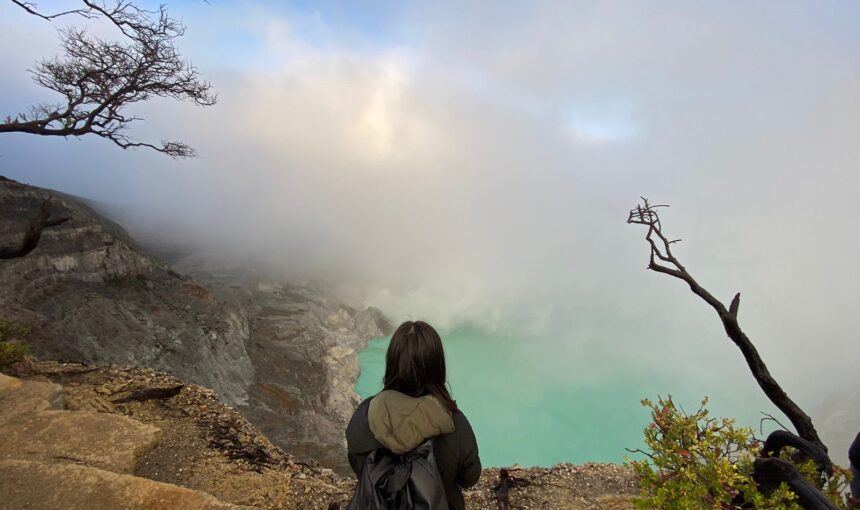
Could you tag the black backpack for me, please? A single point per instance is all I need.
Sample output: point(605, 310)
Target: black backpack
point(400, 482)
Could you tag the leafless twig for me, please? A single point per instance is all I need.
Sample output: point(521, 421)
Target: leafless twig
point(769, 417)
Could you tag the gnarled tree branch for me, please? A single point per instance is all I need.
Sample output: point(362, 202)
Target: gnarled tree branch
point(33, 9)
point(99, 79)
point(662, 260)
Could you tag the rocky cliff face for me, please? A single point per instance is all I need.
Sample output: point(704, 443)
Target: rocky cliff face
point(303, 346)
point(89, 293)
point(283, 354)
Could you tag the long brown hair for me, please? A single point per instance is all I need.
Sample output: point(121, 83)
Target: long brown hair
point(415, 363)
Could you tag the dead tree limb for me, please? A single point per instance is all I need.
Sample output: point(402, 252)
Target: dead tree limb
point(33, 233)
point(32, 8)
point(662, 260)
point(151, 394)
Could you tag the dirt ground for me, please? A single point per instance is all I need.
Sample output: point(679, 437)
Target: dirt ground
point(208, 446)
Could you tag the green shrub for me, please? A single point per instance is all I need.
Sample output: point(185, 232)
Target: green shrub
point(697, 462)
point(12, 345)
point(12, 352)
point(11, 331)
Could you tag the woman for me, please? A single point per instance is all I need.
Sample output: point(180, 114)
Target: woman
point(414, 406)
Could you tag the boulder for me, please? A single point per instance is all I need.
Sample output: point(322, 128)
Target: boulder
point(36, 485)
point(18, 398)
point(102, 440)
point(8, 383)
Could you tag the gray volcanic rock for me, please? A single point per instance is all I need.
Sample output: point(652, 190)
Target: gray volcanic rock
point(303, 346)
point(89, 293)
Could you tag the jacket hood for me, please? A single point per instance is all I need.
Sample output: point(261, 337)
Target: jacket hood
point(401, 422)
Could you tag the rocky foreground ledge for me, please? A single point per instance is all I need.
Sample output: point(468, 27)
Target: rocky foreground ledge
point(90, 437)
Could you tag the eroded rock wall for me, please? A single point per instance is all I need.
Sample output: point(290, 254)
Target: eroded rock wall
point(285, 355)
point(90, 293)
point(303, 345)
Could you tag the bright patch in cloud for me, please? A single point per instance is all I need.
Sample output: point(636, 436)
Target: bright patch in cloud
point(601, 119)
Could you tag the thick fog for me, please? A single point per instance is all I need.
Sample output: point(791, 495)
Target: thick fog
point(475, 164)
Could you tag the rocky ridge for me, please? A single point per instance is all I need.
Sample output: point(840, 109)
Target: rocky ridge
point(51, 457)
point(214, 456)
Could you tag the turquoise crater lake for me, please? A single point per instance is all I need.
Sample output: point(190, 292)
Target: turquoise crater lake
point(528, 405)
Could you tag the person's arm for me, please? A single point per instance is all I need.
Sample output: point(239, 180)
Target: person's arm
point(357, 438)
point(356, 462)
point(468, 461)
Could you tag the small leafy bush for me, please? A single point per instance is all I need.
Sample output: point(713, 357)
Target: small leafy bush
point(12, 345)
point(697, 462)
point(11, 331)
point(12, 352)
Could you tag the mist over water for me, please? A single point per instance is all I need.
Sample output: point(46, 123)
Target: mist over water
point(472, 165)
point(523, 413)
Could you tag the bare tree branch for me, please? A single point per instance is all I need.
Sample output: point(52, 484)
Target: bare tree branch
point(769, 417)
point(40, 222)
point(663, 261)
point(99, 79)
point(32, 8)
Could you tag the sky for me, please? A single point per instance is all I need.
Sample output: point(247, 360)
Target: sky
point(473, 162)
